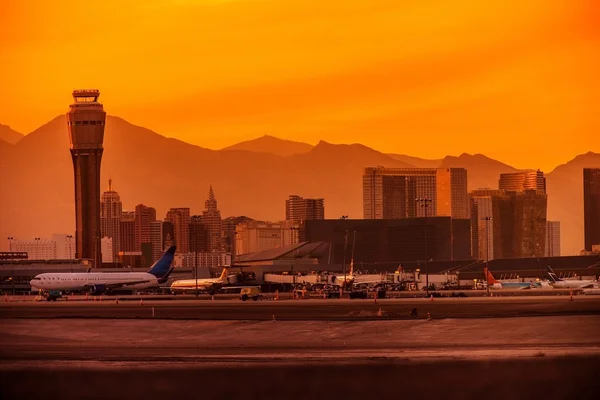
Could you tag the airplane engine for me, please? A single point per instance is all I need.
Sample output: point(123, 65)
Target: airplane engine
point(97, 289)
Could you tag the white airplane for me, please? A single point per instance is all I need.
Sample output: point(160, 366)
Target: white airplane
point(203, 285)
point(102, 282)
point(503, 285)
point(559, 283)
point(351, 279)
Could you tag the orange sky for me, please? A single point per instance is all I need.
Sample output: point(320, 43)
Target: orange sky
point(515, 80)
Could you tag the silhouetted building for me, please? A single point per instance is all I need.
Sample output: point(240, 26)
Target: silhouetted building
point(391, 193)
point(85, 121)
point(180, 218)
point(229, 224)
point(168, 234)
point(111, 209)
point(258, 235)
point(212, 219)
point(198, 235)
point(127, 233)
point(300, 209)
point(143, 217)
point(552, 239)
point(521, 181)
point(393, 240)
point(591, 206)
point(518, 225)
point(156, 239)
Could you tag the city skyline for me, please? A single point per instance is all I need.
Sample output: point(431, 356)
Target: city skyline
point(382, 73)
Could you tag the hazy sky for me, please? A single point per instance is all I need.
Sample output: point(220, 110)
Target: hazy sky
point(515, 80)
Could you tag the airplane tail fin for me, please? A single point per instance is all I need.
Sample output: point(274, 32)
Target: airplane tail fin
point(352, 267)
point(551, 275)
point(161, 269)
point(223, 275)
point(489, 277)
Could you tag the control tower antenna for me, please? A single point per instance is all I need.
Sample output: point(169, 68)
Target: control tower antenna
point(85, 121)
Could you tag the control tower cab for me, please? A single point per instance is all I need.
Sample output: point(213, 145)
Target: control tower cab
point(85, 121)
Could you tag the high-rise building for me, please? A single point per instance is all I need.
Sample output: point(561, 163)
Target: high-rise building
point(111, 209)
point(85, 121)
point(229, 225)
point(143, 217)
point(300, 209)
point(591, 207)
point(36, 249)
point(65, 246)
point(168, 230)
point(258, 236)
point(552, 239)
point(180, 219)
point(520, 181)
point(107, 250)
point(391, 193)
point(198, 235)
point(212, 220)
point(518, 225)
point(156, 239)
point(127, 233)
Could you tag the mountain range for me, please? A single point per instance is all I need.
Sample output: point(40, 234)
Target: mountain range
point(250, 178)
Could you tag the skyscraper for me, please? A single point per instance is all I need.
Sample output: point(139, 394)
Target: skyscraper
point(198, 235)
point(391, 193)
point(483, 240)
point(553, 239)
point(143, 217)
point(300, 209)
point(591, 206)
point(156, 239)
point(180, 219)
point(520, 181)
point(127, 233)
point(111, 209)
point(85, 121)
point(211, 217)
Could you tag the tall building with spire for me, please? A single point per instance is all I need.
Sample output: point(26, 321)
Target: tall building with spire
point(85, 121)
point(111, 210)
point(212, 220)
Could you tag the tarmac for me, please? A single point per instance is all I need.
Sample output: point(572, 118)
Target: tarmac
point(455, 348)
point(307, 309)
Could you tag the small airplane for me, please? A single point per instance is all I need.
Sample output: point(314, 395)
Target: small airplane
point(559, 283)
point(500, 285)
point(102, 282)
point(202, 285)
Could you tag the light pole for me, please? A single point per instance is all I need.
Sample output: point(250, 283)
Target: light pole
point(487, 253)
point(10, 239)
point(344, 264)
point(196, 275)
point(425, 202)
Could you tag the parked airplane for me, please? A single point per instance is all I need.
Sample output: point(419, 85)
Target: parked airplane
point(102, 282)
point(559, 283)
point(203, 285)
point(496, 284)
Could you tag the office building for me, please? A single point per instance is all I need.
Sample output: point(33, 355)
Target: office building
point(144, 216)
point(482, 223)
point(300, 209)
point(392, 240)
point(107, 250)
point(65, 246)
point(211, 217)
point(156, 239)
point(529, 234)
point(591, 207)
point(111, 209)
point(168, 230)
point(180, 219)
point(85, 121)
point(127, 233)
point(258, 236)
point(391, 193)
point(521, 181)
point(198, 235)
point(552, 239)
point(36, 249)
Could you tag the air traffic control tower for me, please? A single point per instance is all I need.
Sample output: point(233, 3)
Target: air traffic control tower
point(86, 133)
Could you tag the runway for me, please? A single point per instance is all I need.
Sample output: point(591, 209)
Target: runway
point(299, 310)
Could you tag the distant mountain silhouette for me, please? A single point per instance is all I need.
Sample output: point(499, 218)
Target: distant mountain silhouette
point(9, 135)
point(160, 172)
point(271, 144)
point(483, 172)
point(565, 199)
point(416, 161)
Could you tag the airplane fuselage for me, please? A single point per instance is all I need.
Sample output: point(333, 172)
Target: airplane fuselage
point(81, 281)
point(573, 284)
point(191, 284)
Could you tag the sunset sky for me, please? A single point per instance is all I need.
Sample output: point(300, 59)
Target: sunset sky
point(515, 80)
